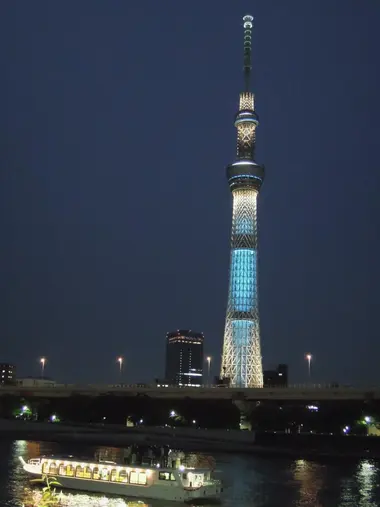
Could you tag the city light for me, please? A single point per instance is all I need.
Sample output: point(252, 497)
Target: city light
point(172, 413)
point(308, 358)
point(208, 359)
point(23, 412)
point(43, 362)
point(120, 360)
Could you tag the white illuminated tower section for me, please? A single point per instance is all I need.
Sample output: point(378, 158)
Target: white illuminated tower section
point(241, 361)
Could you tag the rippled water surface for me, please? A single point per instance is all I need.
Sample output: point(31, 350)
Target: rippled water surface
point(249, 481)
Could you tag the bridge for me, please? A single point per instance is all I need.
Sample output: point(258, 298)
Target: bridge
point(301, 393)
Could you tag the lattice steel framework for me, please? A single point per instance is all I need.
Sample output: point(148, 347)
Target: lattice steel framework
point(241, 361)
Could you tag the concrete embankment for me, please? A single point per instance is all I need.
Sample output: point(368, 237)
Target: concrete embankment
point(119, 436)
point(191, 439)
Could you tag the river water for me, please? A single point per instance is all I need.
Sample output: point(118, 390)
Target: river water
point(249, 481)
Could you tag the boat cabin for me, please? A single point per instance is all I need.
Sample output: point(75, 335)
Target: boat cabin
point(188, 478)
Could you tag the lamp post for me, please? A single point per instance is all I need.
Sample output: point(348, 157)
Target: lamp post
point(42, 361)
point(308, 358)
point(120, 361)
point(208, 359)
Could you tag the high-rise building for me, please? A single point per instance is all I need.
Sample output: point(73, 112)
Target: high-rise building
point(184, 358)
point(241, 360)
point(7, 373)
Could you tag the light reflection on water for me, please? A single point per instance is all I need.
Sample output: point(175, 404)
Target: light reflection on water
point(308, 477)
point(249, 481)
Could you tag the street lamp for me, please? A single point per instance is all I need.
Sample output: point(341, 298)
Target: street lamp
point(42, 361)
point(120, 361)
point(208, 359)
point(308, 358)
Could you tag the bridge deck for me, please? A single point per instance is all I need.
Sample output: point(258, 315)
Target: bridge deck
point(289, 393)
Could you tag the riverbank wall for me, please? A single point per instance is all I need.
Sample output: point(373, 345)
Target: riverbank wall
point(198, 440)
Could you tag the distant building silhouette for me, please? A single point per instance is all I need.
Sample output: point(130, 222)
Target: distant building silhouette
point(184, 358)
point(277, 377)
point(7, 373)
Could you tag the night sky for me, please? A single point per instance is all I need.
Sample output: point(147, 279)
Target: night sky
point(116, 125)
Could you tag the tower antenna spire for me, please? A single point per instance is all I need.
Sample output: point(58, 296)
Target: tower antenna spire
point(248, 24)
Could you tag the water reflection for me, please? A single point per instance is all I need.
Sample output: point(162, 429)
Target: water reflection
point(33, 497)
point(249, 481)
point(366, 477)
point(307, 475)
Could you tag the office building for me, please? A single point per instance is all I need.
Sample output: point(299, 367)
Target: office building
point(241, 359)
point(7, 373)
point(184, 358)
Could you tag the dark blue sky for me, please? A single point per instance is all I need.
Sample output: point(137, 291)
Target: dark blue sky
point(116, 125)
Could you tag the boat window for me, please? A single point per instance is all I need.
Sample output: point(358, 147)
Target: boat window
point(105, 474)
point(113, 475)
point(142, 478)
point(79, 472)
point(87, 474)
point(166, 476)
point(123, 476)
point(184, 476)
point(95, 473)
point(133, 478)
point(53, 468)
point(62, 469)
point(45, 467)
point(70, 470)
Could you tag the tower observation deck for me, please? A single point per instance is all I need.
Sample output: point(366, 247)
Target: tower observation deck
point(241, 360)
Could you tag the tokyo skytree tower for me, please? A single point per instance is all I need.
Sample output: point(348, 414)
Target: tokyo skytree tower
point(241, 361)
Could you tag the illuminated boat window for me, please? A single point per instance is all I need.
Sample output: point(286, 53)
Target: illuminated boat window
point(123, 476)
point(45, 467)
point(53, 468)
point(70, 470)
point(62, 469)
point(133, 478)
point(105, 474)
point(87, 474)
point(95, 473)
point(166, 476)
point(79, 472)
point(143, 478)
point(113, 475)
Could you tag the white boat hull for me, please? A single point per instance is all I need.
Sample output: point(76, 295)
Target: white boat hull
point(170, 492)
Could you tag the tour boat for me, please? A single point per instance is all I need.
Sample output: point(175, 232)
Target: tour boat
point(176, 484)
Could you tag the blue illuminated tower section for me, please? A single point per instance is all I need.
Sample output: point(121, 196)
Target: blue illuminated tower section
point(241, 361)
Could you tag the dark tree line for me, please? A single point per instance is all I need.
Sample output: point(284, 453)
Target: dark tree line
point(330, 416)
point(111, 409)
